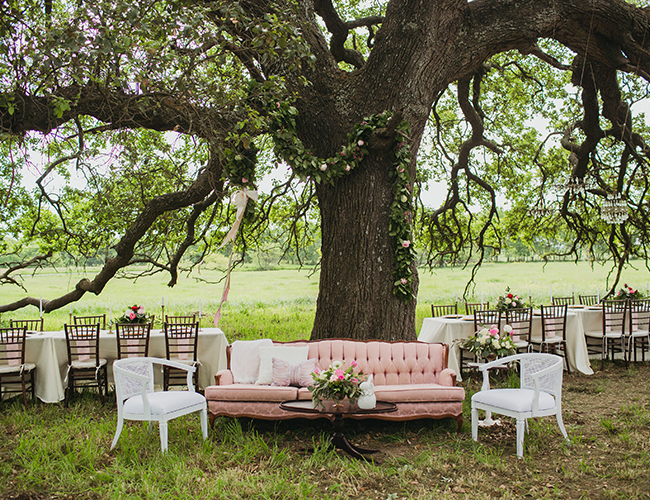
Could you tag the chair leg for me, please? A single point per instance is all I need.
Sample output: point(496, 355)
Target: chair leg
point(22, 380)
point(98, 378)
point(474, 423)
point(204, 423)
point(566, 357)
point(521, 427)
point(560, 423)
point(163, 435)
point(33, 385)
point(70, 389)
point(118, 431)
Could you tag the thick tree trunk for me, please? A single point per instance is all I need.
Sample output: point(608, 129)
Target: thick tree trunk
point(355, 297)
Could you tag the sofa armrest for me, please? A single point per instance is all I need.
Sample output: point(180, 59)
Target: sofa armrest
point(224, 377)
point(447, 377)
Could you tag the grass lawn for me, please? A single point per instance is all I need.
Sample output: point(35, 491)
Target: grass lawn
point(281, 304)
point(51, 452)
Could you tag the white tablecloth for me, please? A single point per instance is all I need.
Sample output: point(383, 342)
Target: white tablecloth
point(48, 350)
point(446, 330)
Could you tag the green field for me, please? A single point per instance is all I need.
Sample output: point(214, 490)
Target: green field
point(280, 304)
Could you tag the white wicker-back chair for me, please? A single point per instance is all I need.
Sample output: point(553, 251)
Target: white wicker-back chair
point(136, 399)
point(539, 394)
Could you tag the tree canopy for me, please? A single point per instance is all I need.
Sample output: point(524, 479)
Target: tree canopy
point(139, 119)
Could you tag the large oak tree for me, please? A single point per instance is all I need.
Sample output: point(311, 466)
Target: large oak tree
point(344, 92)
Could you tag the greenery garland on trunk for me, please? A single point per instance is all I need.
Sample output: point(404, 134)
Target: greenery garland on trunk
point(308, 166)
point(241, 171)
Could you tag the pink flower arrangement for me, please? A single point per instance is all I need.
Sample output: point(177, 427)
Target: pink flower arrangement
point(134, 314)
point(627, 292)
point(336, 383)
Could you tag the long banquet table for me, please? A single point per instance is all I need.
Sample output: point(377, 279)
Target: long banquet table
point(446, 329)
point(48, 350)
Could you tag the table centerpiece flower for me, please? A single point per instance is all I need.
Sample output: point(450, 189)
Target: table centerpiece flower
point(509, 301)
point(490, 342)
point(335, 383)
point(134, 314)
point(627, 292)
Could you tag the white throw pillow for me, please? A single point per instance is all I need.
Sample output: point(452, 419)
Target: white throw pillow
point(245, 359)
point(294, 355)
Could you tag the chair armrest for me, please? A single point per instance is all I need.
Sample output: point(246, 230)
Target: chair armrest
point(224, 377)
point(174, 364)
point(447, 377)
point(190, 369)
point(497, 362)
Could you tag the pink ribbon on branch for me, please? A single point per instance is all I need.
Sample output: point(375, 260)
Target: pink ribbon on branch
point(240, 199)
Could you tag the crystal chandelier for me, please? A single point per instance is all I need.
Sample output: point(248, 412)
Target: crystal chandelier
point(614, 209)
point(574, 185)
point(539, 211)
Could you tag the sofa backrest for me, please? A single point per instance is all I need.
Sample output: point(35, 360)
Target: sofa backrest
point(391, 363)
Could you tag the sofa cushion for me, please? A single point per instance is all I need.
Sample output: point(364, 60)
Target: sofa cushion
point(300, 375)
point(251, 392)
point(245, 359)
point(413, 393)
point(292, 354)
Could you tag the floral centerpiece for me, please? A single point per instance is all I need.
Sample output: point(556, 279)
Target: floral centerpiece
point(134, 314)
point(489, 342)
point(336, 384)
point(509, 301)
point(627, 292)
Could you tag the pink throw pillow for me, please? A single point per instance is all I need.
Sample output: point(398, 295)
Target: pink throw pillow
point(285, 374)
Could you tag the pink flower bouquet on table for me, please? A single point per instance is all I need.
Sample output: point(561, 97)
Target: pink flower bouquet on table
point(134, 314)
point(490, 341)
point(335, 383)
point(627, 292)
point(510, 301)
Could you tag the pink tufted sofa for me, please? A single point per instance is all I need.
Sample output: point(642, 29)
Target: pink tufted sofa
point(413, 375)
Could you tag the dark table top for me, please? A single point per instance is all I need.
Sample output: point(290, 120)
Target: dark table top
point(307, 406)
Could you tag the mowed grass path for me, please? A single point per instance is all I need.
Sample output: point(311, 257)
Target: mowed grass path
point(280, 304)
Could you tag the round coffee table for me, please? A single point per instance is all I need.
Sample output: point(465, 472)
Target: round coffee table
point(336, 416)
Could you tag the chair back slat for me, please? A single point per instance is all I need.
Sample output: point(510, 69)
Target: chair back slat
point(614, 316)
point(639, 315)
point(181, 340)
point(561, 301)
point(12, 346)
point(486, 317)
point(442, 310)
point(82, 342)
point(191, 318)
point(470, 307)
point(553, 321)
point(91, 320)
point(521, 321)
point(588, 300)
point(132, 339)
point(32, 325)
